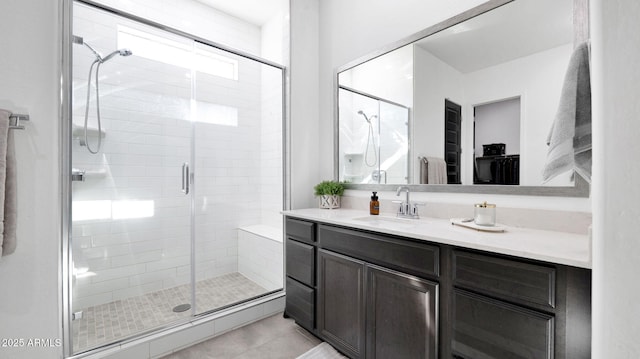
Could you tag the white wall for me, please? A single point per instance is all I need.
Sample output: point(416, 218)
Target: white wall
point(616, 88)
point(389, 76)
point(434, 80)
point(305, 141)
point(29, 304)
point(498, 122)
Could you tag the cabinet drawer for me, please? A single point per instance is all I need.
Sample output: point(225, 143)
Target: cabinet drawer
point(517, 281)
point(300, 230)
point(404, 255)
point(488, 328)
point(300, 303)
point(300, 262)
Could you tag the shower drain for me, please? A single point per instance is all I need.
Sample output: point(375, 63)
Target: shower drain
point(181, 308)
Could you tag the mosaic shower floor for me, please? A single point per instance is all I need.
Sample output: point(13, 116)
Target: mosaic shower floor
point(109, 322)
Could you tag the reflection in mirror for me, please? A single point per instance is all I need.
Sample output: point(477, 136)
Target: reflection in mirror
point(374, 137)
point(480, 97)
point(381, 88)
point(497, 142)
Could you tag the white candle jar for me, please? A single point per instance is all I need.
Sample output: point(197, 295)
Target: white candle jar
point(485, 214)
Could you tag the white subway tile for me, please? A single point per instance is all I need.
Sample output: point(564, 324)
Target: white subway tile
point(151, 277)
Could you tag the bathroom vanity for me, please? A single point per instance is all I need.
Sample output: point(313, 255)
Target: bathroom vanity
point(381, 287)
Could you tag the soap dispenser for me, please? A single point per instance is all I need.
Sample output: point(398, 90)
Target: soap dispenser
point(374, 205)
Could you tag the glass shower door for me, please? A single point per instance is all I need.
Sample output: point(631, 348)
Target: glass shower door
point(131, 217)
point(237, 117)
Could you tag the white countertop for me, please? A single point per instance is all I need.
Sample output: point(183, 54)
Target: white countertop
point(549, 246)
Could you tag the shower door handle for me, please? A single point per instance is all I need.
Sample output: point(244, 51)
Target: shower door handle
point(185, 178)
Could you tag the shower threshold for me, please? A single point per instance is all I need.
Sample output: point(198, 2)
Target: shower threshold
point(109, 322)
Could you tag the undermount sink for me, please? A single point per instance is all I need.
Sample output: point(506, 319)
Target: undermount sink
point(389, 222)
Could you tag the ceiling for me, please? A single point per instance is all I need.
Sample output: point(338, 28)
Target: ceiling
point(257, 12)
point(515, 30)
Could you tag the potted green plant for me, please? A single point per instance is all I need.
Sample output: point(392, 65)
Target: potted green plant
point(329, 193)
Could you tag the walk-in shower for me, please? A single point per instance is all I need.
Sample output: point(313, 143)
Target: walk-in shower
point(143, 253)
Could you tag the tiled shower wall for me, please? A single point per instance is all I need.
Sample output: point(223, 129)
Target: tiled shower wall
point(140, 242)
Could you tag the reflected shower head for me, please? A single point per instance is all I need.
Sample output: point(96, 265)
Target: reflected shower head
point(121, 52)
point(365, 116)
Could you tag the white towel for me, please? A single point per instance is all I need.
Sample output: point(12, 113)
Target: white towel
point(570, 136)
point(8, 196)
point(433, 170)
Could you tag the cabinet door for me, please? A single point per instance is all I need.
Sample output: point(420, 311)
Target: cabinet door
point(341, 302)
point(401, 315)
point(487, 328)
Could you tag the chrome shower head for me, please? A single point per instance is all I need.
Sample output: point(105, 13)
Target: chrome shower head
point(99, 58)
point(121, 52)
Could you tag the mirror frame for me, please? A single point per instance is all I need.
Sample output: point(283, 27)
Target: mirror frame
point(581, 187)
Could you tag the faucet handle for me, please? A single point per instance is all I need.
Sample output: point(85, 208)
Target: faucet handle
point(403, 207)
point(412, 209)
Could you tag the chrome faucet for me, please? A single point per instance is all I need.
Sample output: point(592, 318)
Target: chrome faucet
point(407, 209)
point(403, 189)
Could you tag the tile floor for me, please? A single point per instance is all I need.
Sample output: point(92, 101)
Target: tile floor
point(109, 322)
point(274, 337)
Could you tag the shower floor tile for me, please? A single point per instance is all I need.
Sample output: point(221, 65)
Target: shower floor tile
point(109, 322)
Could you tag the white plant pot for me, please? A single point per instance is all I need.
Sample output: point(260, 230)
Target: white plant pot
point(329, 201)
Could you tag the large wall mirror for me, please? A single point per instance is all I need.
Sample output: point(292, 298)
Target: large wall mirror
point(463, 106)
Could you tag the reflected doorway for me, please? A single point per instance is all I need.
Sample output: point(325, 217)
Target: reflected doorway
point(497, 142)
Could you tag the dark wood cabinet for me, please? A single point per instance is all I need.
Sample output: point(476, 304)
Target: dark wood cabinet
point(300, 270)
point(341, 302)
point(505, 307)
point(367, 307)
point(487, 328)
point(367, 311)
point(373, 295)
point(401, 319)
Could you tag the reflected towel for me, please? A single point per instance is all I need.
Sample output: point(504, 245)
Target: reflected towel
point(570, 137)
point(433, 170)
point(8, 196)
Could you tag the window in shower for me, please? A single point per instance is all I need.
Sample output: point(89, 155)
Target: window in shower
point(158, 48)
point(178, 212)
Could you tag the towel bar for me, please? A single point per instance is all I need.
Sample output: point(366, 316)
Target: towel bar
point(14, 121)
